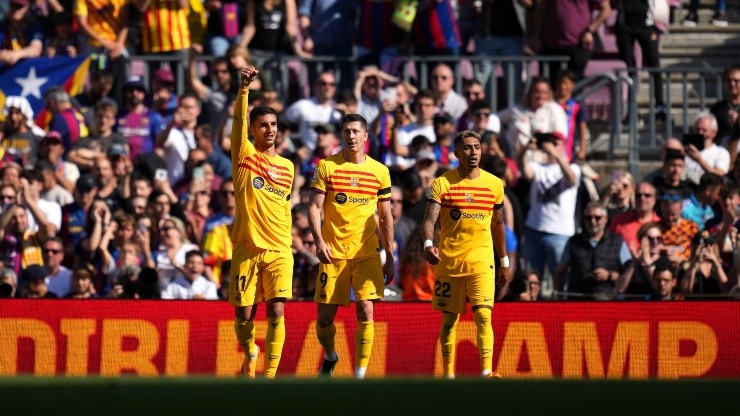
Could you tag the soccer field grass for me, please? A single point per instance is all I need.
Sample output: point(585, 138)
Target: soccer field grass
point(392, 396)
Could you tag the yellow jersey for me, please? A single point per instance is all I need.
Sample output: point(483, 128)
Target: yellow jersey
point(262, 187)
point(352, 192)
point(465, 242)
point(103, 16)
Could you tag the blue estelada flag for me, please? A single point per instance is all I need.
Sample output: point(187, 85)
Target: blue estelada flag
point(30, 78)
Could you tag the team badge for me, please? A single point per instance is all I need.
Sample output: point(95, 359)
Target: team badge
point(469, 198)
point(354, 182)
point(272, 173)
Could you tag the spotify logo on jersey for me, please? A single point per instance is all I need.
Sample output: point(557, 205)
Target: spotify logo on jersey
point(341, 198)
point(455, 214)
point(258, 182)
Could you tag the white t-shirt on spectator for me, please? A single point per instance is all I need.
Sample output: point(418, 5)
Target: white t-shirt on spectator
point(404, 136)
point(522, 123)
point(455, 105)
point(166, 271)
point(176, 151)
point(553, 201)
point(308, 113)
point(182, 288)
point(715, 156)
point(53, 213)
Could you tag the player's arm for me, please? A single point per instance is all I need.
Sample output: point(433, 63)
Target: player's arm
point(315, 206)
point(431, 214)
point(386, 233)
point(239, 130)
point(498, 231)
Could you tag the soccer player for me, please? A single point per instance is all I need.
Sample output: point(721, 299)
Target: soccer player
point(470, 201)
point(348, 187)
point(262, 262)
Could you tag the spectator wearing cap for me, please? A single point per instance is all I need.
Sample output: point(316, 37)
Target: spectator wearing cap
point(698, 207)
point(445, 97)
point(214, 99)
point(107, 29)
point(178, 137)
point(552, 196)
point(401, 136)
point(163, 96)
point(65, 119)
point(74, 216)
point(33, 279)
point(712, 158)
point(101, 86)
point(87, 150)
point(426, 165)
point(20, 247)
point(51, 190)
point(19, 143)
point(41, 213)
point(22, 36)
point(51, 150)
point(678, 232)
point(444, 147)
point(58, 277)
point(139, 125)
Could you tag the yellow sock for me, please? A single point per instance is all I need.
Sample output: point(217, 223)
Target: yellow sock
point(484, 331)
point(447, 340)
point(245, 335)
point(364, 336)
point(274, 341)
point(326, 338)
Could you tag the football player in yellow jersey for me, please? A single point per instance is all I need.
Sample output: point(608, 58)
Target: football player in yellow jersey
point(468, 202)
point(348, 188)
point(262, 261)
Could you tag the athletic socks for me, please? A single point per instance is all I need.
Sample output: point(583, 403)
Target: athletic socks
point(274, 341)
point(326, 339)
point(484, 330)
point(364, 337)
point(447, 340)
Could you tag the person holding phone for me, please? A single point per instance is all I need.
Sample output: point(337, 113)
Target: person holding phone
point(712, 158)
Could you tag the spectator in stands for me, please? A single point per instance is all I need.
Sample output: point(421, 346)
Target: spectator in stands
point(724, 226)
point(178, 137)
point(214, 99)
point(627, 224)
point(698, 207)
point(106, 26)
point(108, 188)
point(502, 27)
point(228, 207)
point(434, 31)
point(271, 30)
point(8, 283)
point(165, 28)
point(82, 284)
point(620, 196)
point(538, 114)
point(163, 96)
point(172, 247)
point(525, 288)
point(51, 190)
point(191, 284)
point(712, 158)
point(197, 209)
point(473, 92)
point(664, 282)
point(65, 119)
point(51, 150)
point(550, 220)
point(59, 278)
point(568, 28)
point(719, 18)
point(86, 150)
point(445, 97)
point(22, 36)
point(637, 280)
point(20, 246)
point(575, 113)
point(101, 86)
point(400, 157)
point(327, 144)
point(225, 20)
point(74, 217)
point(594, 258)
point(306, 264)
point(62, 40)
point(216, 157)
point(41, 213)
point(444, 146)
point(704, 274)
point(33, 279)
point(321, 108)
point(416, 274)
point(670, 176)
point(727, 112)
point(367, 91)
point(19, 142)
point(678, 233)
point(138, 124)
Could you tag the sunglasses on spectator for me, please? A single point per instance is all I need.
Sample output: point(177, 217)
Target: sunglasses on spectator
point(51, 251)
point(671, 198)
point(594, 217)
point(327, 83)
point(443, 77)
point(473, 94)
point(656, 239)
point(165, 229)
point(482, 113)
point(643, 195)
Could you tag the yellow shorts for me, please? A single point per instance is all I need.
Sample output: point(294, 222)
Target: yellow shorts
point(364, 275)
point(258, 275)
point(450, 293)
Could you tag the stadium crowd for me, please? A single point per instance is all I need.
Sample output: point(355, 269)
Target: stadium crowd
point(126, 190)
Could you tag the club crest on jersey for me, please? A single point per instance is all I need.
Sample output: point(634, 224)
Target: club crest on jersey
point(272, 173)
point(469, 198)
point(341, 198)
point(258, 182)
point(354, 182)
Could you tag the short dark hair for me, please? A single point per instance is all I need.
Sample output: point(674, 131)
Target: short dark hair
point(464, 135)
point(44, 165)
point(566, 74)
point(664, 264)
point(478, 105)
point(193, 253)
point(32, 175)
point(709, 180)
point(673, 154)
point(260, 111)
point(728, 190)
point(351, 118)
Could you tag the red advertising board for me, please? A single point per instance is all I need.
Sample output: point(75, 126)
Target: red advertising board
point(532, 340)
